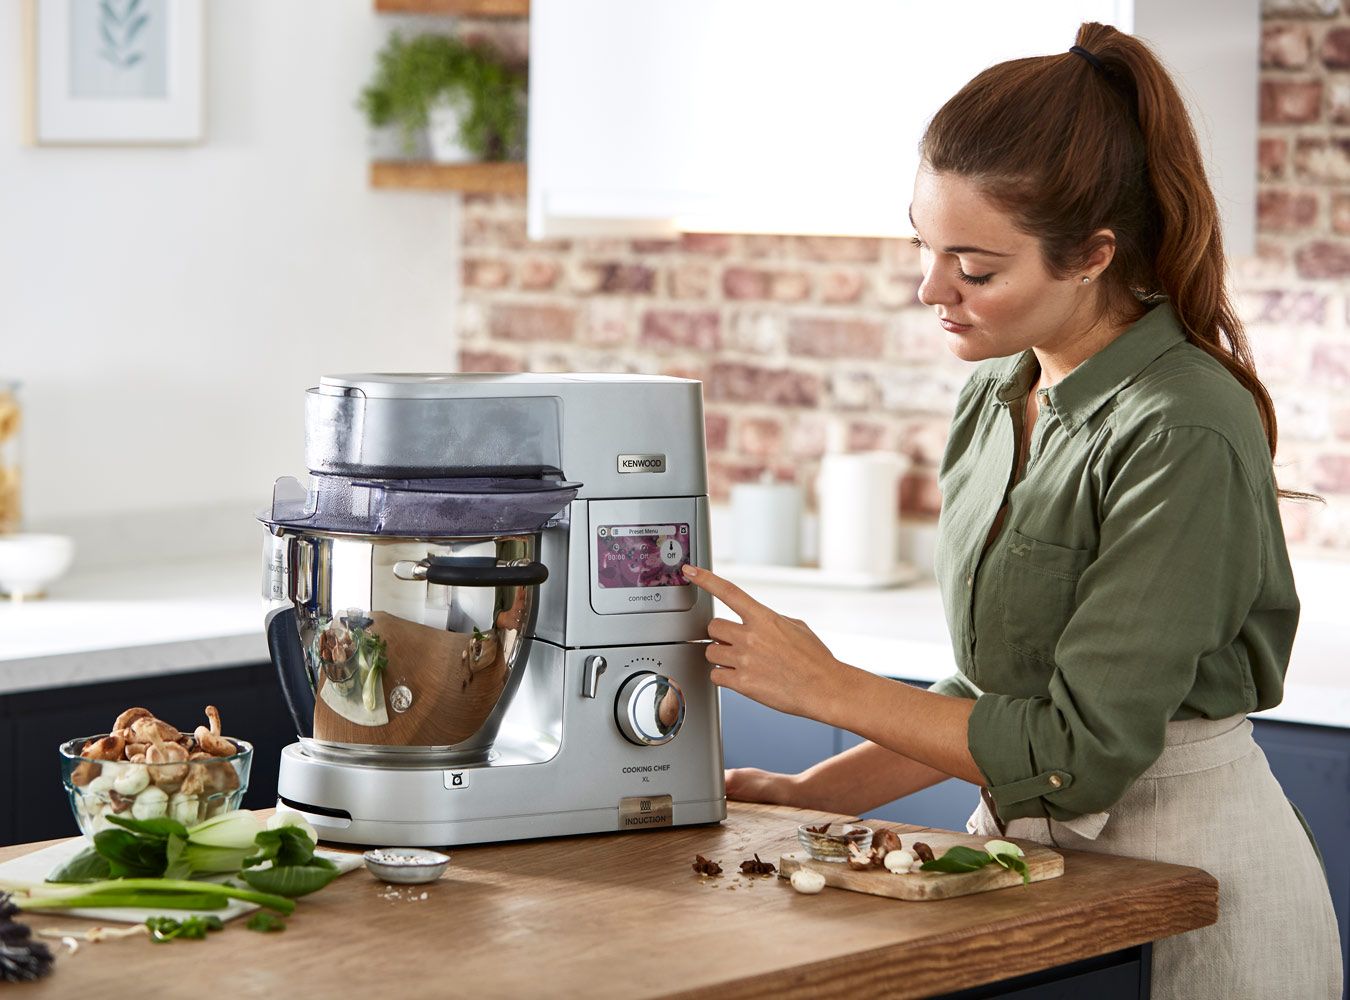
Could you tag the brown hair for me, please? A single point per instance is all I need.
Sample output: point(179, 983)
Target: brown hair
point(1070, 145)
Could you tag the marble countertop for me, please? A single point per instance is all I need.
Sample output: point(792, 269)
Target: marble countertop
point(178, 616)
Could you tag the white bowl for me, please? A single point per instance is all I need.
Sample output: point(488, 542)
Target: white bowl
point(410, 866)
point(29, 563)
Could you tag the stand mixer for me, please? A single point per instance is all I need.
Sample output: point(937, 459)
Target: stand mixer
point(477, 612)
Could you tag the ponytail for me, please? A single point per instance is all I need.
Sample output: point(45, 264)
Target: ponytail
point(1099, 138)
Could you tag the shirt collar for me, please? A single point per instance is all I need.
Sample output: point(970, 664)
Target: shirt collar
point(1091, 385)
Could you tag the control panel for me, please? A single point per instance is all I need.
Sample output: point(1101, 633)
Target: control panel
point(637, 548)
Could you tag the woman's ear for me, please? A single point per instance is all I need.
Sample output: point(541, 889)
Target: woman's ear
point(1102, 251)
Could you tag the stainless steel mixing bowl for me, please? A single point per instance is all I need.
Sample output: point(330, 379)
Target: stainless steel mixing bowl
point(401, 650)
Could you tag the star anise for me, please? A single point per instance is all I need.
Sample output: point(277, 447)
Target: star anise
point(823, 828)
point(705, 867)
point(757, 867)
point(922, 851)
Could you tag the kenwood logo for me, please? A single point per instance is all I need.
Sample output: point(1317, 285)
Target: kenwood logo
point(642, 463)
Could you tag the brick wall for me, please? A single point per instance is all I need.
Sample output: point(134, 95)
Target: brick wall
point(799, 338)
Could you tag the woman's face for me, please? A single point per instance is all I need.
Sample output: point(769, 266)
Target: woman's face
point(985, 279)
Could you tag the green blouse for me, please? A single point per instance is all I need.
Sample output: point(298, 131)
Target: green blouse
point(1140, 575)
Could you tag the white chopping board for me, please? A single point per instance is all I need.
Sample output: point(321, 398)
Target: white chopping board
point(37, 866)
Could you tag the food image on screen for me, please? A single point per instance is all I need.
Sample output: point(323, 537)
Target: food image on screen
point(641, 555)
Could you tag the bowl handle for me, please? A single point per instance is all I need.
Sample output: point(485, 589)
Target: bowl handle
point(449, 571)
point(288, 656)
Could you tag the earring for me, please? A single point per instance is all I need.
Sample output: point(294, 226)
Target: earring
point(1086, 279)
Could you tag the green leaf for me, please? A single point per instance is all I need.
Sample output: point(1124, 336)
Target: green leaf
point(264, 922)
point(130, 856)
point(175, 865)
point(958, 859)
point(284, 846)
point(290, 880)
point(87, 866)
point(1014, 863)
point(159, 828)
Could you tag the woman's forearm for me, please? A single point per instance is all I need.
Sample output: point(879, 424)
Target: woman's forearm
point(928, 728)
point(860, 779)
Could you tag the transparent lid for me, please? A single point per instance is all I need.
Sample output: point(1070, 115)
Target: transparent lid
point(421, 508)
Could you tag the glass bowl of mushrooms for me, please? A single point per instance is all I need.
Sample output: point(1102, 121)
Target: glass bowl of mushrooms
point(146, 768)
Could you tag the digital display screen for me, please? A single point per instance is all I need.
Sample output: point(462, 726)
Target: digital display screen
point(641, 555)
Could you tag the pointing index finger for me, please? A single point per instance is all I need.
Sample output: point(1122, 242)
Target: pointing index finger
point(724, 590)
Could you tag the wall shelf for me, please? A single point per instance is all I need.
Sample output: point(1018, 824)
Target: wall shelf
point(457, 8)
point(471, 178)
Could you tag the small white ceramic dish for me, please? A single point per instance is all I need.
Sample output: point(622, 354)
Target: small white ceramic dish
point(29, 563)
point(406, 865)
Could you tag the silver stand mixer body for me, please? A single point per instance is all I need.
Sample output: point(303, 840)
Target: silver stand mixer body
point(609, 721)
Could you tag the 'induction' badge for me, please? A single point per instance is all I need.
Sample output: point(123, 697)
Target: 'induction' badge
point(642, 811)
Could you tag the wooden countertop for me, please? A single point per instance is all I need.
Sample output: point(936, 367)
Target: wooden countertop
point(624, 915)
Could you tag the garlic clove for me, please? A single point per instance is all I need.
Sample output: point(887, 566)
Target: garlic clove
point(899, 862)
point(184, 808)
point(131, 781)
point(100, 784)
point(804, 880)
point(150, 803)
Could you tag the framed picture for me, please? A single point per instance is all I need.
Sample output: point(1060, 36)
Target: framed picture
point(106, 72)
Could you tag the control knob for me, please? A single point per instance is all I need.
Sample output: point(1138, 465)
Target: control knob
point(650, 709)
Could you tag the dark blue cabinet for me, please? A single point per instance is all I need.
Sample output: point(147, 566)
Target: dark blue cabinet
point(755, 736)
point(33, 804)
point(1312, 764)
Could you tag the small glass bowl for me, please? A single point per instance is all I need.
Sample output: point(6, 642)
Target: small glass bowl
point(406, 865)
point(833, 843)
point(190, 791)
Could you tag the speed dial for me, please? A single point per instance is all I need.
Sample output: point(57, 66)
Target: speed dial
point(650, 709)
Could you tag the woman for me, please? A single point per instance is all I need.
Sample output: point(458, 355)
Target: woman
point(1112, 563)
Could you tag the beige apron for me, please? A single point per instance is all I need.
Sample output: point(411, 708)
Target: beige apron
point(1211, 802)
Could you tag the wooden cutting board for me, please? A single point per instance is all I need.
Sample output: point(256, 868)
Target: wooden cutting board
point(1042, 863)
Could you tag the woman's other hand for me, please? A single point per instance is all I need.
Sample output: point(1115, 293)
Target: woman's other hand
point(777, 661)
point(750, 784)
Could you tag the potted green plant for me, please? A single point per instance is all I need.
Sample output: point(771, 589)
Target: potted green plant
point(470, 103)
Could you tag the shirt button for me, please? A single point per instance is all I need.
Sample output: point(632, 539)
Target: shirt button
point(970, 580)
point(1056, 781)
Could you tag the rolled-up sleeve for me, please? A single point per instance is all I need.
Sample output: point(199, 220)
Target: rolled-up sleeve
point(1178, 566)
point(957, 686)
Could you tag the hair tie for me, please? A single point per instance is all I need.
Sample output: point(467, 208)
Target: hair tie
point(1089, 58)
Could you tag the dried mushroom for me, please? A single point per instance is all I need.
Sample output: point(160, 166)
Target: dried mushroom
point(148, 768)
point(209, 738)
point(757, 867)
point(125, 720)
point(922, 851)
point(705, 867)
point(883, 843)
point(151, 730)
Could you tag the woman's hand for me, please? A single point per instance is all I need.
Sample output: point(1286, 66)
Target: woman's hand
point(750, 784)
point(775, 660)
